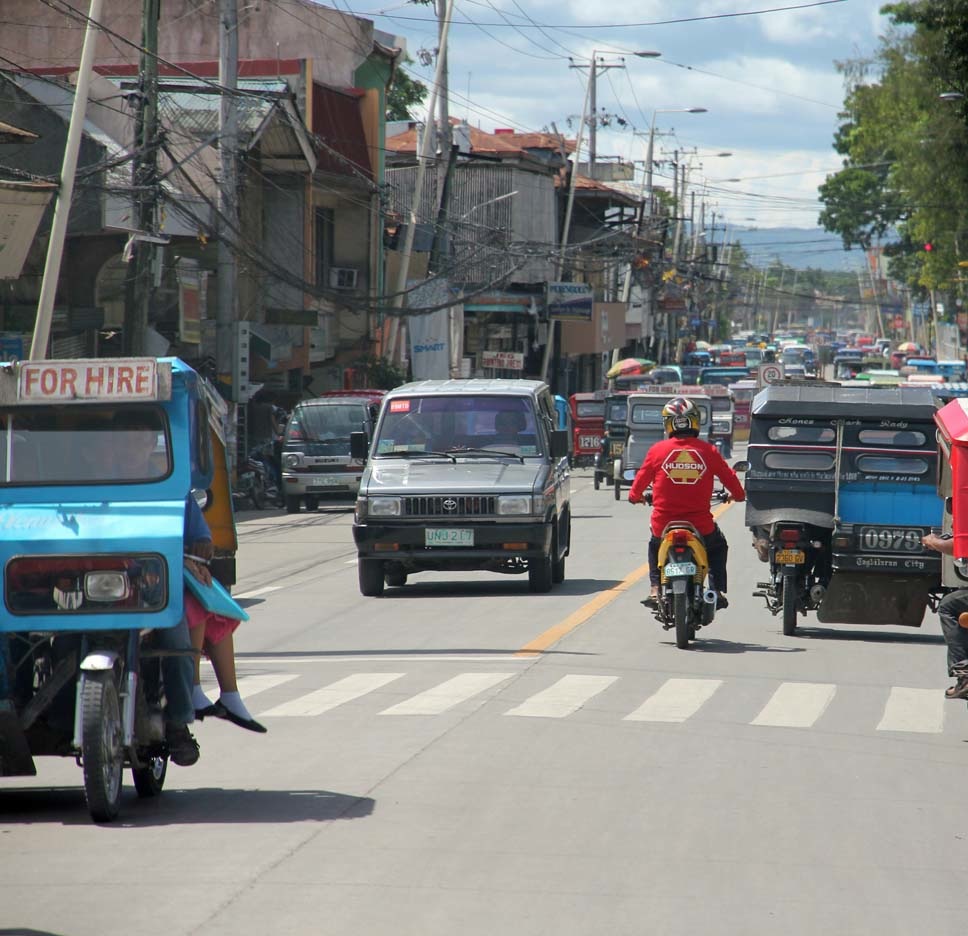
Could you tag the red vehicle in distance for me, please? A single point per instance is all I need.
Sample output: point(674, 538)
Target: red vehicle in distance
point(588, 425)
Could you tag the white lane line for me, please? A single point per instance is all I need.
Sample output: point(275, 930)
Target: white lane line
point(563, 698)
point(675, 701)
point(447, 694)
point(329, 697)
point(258, 591)
point(913, 710)
point(796, 705)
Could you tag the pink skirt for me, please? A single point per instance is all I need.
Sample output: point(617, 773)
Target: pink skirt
point(217, 626)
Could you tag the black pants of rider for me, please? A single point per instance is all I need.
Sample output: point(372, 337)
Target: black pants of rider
point(716, 549)
point(956, 637)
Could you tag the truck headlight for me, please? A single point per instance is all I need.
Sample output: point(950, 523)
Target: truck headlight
point(293, 460)
point(514, 505)
point(383, 506)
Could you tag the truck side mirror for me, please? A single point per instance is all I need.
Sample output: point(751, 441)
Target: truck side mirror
point(559, 443)
point(359, 445)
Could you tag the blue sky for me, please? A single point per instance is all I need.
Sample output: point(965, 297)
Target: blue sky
point(769, 82)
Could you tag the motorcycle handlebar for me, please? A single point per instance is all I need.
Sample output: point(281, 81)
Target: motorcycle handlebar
point(722, 495)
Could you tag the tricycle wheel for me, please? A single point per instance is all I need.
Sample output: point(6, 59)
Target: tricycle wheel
point(680, 613)
point(618, 490)
point(101, 748)
point(396, 579)
point(789, 605)
point(598, 480)
point(292, 504)
point(312, 503)
point(150, 779)
point(371, 577)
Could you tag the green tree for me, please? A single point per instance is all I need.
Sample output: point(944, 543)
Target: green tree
point(905, 176)
point(404, 94)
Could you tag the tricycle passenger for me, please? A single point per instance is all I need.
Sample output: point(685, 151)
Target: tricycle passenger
point(681, 470)
point(212, 632)
point(134, 430)
point(952, 607)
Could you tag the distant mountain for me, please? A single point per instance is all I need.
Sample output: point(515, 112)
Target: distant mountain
point(797, 247)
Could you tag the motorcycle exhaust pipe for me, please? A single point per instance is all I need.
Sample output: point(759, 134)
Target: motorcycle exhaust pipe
point(817, 593)
point(709, 596)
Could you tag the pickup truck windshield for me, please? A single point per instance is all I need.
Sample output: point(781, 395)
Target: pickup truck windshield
point(453, 424)
point(83, 445)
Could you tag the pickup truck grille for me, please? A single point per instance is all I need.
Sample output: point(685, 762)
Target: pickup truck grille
point(450, 505)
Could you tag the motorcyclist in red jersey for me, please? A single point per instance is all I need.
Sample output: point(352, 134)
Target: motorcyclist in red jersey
point(681, 470)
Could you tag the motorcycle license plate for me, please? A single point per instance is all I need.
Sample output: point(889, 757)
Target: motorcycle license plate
point(448, 537)
point(790, 556)
point(673, 569)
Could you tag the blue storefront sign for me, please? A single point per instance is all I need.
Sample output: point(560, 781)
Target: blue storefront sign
point(570, 301)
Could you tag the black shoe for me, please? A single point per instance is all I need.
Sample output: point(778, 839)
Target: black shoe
point(651, 602)
point(182, 747)
point(210, 710)
point(721, 601)
point(249, 723)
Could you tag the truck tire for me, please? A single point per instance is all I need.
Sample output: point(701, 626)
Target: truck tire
point(540, 574)
point(371, 577)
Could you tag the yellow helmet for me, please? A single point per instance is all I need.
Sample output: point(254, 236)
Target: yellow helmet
point(680, 415)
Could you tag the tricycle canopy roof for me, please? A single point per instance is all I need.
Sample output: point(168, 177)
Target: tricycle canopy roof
point(833, 402)
point(952, 420)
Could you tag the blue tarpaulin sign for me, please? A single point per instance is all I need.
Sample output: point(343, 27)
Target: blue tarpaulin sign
point(570, 301)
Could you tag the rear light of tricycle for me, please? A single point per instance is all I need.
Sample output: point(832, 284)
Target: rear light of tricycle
point(789, 536)
point(86, 584)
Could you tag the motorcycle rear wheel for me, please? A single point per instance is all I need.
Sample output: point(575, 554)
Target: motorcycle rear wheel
point(789, 605)
point(680, 614)
point(102, 751)
point(150, 779)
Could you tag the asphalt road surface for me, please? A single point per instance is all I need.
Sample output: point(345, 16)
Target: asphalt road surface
point(464, 757)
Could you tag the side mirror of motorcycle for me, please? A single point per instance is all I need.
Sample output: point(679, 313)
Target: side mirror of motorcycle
point(359, 445)
point(741, 466)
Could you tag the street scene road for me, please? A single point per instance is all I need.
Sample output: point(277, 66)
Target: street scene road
point(464, 756)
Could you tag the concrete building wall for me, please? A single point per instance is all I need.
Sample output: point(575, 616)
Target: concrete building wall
point(335, 42)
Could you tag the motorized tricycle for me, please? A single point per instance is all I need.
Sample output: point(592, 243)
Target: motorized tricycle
point(97, 460)
point(839, 492)
point(952, 484)
point(686, 602)
point(613, 438)
point(721, 428)
point(645, 428)
point(588, 425)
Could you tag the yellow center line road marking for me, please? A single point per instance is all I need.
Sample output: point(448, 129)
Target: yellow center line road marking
point(588, 610)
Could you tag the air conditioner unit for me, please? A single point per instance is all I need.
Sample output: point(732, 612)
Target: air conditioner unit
point(343, 277)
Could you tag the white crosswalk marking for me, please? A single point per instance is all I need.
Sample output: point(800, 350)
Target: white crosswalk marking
point(913, 710)
point(447, 694)
point(253, 685)
point(796, 705)
point(322, 700)
point(563, 698)
point(676, 700)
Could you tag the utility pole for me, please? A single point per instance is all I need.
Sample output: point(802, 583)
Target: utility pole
point(228, 197)
point(145, 173)
point(62, 207)
point(446, 134)
point(592, 95)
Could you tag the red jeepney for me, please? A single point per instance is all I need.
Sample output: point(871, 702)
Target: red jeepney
point(588, 422)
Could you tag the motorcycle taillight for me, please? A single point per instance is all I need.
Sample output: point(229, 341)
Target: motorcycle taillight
point(680, 537)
